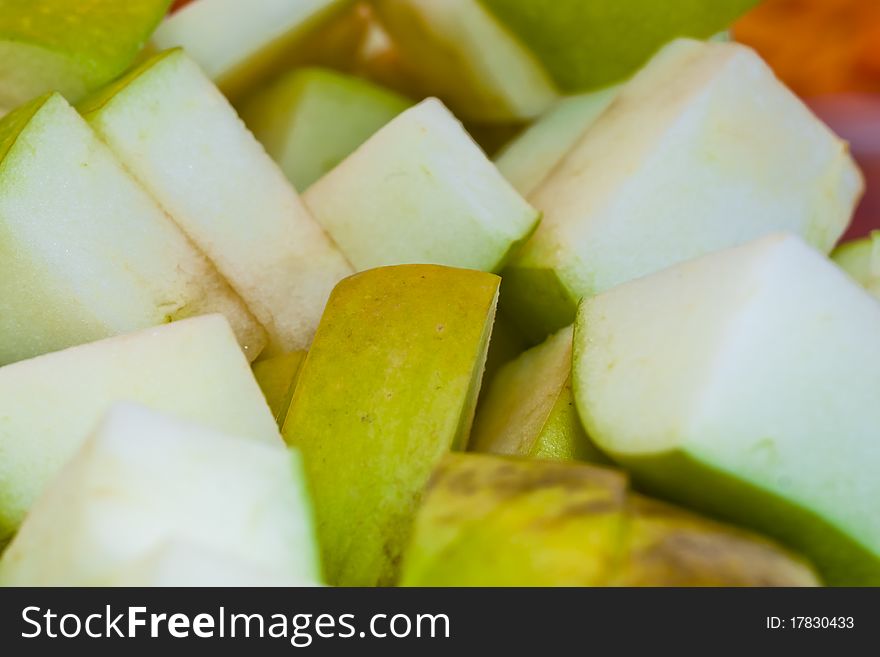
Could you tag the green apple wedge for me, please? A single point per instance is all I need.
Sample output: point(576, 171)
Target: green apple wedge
point(85, 253)
point(242, 44)
point(861, 260)
point(529, 408)
point(192, 369)
point(52, 45)
point(277, 378)
point(693, 156)
point(312, 118)
point(182, 140)
point(143, 479)
point(178, 562)
point(528, 159)
point(695, 379)
point(505, 60)
point(502, 521)
point(389, 386)
point(421, 191)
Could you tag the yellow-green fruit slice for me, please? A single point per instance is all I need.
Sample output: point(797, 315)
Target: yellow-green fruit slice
point(277, 379)
point(388, 387)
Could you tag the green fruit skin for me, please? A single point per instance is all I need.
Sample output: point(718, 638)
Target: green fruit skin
point(537, 301)
point(71, 47)
point(277, 377)
point(388, 387)
point(589, 45)
point(312, 119)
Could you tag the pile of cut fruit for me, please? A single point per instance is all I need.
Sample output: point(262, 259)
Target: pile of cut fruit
point(250, 258)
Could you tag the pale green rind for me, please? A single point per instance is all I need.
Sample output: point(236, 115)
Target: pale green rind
point(537, 300)
point(277, 378)
point(311, 119)
point(861, 260)
point(57, 45)
point(421, 191)
point(531, 156)
point(588, 45)
point(386, 390)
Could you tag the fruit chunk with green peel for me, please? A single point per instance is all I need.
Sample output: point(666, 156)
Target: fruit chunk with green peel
point(85, 253)
point(389, 386)
point(532, 155)
point(456, 50)
point(693, 156)
point(421, 191)
point(529, 409)
point(52, 45)
point(182, 563)
point(183, 141)
point(192, 369)
point(499, 521)
point(311, 119)
point(277, 378)
point(242, 44)
point(144, 479)
point(861, 260)
point(696, 380)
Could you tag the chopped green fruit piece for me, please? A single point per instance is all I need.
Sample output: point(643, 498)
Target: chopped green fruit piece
point(144, 479)
point(694, 155)
point(277, 378)
point(421, 191)
point(861, 260)
point(745, 383)
point(192, 369)
point(242, 44)
point(389, 386)
point(70, 47)
point(85, 253)
point(528, 160)
point(183, 141)
point(529, 409)
point(312, 119)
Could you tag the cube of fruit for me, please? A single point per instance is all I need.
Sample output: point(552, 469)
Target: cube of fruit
point(695, 155)
point(193, 369)
point(388, 387)
point(861, 260)
point(745, 383)
point(529, 409)
point(277, 378)
point(143, 479)
point(457, 50)
point(241, 44)
point(183, 141)
point(421, 191)
point(498, 521)
point(54, 45)
point(499, 60)
point(311, 119)
point(85, 253)
point(532, 155)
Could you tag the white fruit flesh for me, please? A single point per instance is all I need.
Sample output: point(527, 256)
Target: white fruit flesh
point(235, 42)
point(528, 160)
point(758, 365)
point(143, 479)
point(180, 137)
point(696, 154)
point(421, 191)
point(192, 369)
point(462, 54)
point(85, 253)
